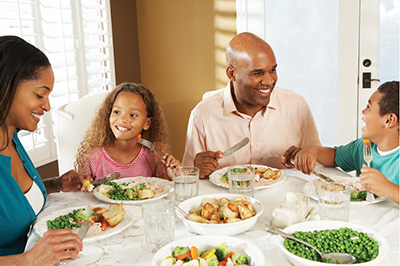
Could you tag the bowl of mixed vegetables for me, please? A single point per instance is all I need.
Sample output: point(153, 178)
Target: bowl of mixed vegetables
point(365, 244)
point(209, 251)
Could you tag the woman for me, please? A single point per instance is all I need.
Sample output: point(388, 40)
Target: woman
point(26, 80)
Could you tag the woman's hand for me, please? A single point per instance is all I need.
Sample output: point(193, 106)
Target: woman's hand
point(70, 181)
point(54, 246)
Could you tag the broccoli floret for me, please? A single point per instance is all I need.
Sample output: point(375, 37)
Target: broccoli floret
point(213, 261)
point(221, 251)
point(187, 259)
point(80, 215)
point(180, 251)
point(242, 260)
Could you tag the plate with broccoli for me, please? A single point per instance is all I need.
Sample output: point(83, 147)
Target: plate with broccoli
point(357, 197)
point(209, 251)
point(72, 218)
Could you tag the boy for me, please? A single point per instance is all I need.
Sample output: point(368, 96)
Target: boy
point(381, 117)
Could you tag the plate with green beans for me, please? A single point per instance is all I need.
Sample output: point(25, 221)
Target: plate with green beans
point(365, 244)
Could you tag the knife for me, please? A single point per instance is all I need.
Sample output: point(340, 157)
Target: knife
point(236, 147)
point(107, 178)
point(323, 176)
point(84, 229)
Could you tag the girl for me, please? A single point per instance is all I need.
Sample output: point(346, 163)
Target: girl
point(111, 145)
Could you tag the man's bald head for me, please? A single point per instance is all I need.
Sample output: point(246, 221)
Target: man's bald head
point(243, 43)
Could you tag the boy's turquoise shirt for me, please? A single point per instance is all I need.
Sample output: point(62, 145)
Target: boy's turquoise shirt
point(350, 157)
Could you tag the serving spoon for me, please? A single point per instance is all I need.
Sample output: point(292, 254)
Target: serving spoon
point(343, 257)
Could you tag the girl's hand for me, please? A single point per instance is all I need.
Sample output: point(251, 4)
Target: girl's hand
point(170, 162)
point(54, 246)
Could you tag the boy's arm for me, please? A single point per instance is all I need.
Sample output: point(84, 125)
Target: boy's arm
point(306, 159)
point(376, 182)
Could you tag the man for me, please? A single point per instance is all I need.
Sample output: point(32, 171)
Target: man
point(381, 118)
point(249, 106)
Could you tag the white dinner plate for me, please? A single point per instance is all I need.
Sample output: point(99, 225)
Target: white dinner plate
point(216, 175)
point(165, 187)
point(311, 190)
point(237, 245)
point(40, 226)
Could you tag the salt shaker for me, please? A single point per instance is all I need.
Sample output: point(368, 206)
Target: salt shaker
point(293, 209)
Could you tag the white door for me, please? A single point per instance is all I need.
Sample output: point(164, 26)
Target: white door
point(320, 48)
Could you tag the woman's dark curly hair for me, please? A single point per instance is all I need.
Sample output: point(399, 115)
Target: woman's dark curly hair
point(19, 61)
point(100, 134)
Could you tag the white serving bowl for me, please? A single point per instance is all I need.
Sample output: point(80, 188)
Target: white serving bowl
point(218, 229)
point(323, 225)
point(237, 245)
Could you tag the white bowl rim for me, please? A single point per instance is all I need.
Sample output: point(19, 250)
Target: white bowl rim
point(383, 244)
point(254, 201)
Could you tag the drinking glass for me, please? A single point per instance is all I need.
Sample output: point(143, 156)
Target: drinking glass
point(186, 182)
point(241, 180)
point(334, 201)
point(159, 224)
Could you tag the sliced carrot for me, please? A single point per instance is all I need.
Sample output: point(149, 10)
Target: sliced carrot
point(193, 252)
point(138, 137)
point(103, 225)
point(79, 222)
point(229, 255)
point(183, 256)
point(223, 262)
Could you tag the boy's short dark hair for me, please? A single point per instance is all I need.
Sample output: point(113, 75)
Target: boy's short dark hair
point(389, 103)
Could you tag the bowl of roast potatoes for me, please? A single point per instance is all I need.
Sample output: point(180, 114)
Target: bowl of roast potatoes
point(220, 214)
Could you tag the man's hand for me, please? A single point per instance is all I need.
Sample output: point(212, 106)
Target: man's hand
point(207, 162)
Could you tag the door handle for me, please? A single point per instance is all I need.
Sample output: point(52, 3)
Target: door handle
point(367, 80)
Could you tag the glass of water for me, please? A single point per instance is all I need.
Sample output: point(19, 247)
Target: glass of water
point(186, 182)
point(241, 180)
point(334, 201)
point(159, 224)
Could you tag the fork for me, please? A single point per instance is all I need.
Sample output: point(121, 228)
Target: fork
point(367, 153)
point(150, 145)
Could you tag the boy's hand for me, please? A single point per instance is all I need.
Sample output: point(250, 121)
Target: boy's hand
point(374, 181)
point(304, 159)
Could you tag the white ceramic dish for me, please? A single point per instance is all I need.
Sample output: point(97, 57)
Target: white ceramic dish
point(323, 225)
point(218, 229)
point(40, 226)
point(311, 190)
point(237, 245)
point(215, 176)
point(165, 187)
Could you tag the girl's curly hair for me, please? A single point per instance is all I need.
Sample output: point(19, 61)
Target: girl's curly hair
point(100, 134)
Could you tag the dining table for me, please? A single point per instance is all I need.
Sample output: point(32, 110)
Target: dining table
point(125, 247)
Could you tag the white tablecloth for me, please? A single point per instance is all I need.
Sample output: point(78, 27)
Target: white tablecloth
point(125, 248)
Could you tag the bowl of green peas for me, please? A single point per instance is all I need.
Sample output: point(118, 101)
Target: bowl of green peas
point(365, 244)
